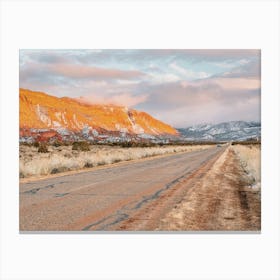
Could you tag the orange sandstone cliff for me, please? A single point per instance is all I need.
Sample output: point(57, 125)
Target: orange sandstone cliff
point(39, 110)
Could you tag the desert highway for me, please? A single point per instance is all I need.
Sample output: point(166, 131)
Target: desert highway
point(131, 196)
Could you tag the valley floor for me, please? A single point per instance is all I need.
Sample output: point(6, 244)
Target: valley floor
point(63, 158)
point(215, 189)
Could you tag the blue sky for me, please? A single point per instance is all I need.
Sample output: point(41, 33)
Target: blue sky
point(180, 87)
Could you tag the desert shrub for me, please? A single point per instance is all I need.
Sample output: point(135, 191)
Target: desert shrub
point(59, 169)
point(88, 165)
point(148, 144)
point(135, 144)
point(65, 143)
point(43, 148)
point(126, 144)
point(246, 143)
point(81, 146)
point(25, 144)
point(36, 144)
point(57, 143)
point(115, 144)
point(67, 155)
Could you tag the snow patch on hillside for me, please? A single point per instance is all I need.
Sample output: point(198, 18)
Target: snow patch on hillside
point(42, 114)
point(137, 129)
point(227, 131)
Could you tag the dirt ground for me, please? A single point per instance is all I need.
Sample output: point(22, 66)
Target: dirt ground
point(222, 199)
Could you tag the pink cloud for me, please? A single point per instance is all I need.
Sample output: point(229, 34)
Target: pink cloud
point(238, 83)
point(77, 71)
point(207, 100)
point(84, 71)
point(123, 99)
point(231, 83)
point(244, 77)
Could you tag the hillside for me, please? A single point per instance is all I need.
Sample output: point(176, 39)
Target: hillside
point(226, 131)
point(43, 113)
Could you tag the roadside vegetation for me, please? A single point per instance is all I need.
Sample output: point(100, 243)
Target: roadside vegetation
point(250, 159)
point(226, 196)
point(81, 146)
point(43, 148)
point(43, 159)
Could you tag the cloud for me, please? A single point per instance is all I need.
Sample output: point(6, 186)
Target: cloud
point(187, 103)
point(180, 87)
point(77, 71)
point(235, 83)
point(82, 71)
point(61, 86)
point(249, 69)
point(162, 78)
point(124, 99)
point(195, 55)
point(212, 112)
point(229, 64)
point(187, 73)
point(75, 79)
point(222, 54)
point(137, 56)
point(55, 56)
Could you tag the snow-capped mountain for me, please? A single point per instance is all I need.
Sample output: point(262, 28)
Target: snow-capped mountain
point(44, 117)
point(226, 131)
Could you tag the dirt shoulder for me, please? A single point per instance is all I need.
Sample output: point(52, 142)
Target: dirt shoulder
point(222, 199)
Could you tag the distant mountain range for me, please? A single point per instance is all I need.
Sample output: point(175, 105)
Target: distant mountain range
point(226, 131)
point(44, 117)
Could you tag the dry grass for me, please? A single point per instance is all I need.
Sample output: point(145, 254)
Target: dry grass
point(250, 158)
point(222, 198)
point(63, 158)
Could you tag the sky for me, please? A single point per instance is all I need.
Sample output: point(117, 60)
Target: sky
point(181, 87)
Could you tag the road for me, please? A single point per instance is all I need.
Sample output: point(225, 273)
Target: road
point(132, 196)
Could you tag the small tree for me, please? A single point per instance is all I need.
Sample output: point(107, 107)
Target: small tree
point(81, 146)
point(43, 148)
point(36, 144)
point(57, 143)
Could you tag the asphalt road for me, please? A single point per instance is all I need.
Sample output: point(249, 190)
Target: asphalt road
point(128, 196)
